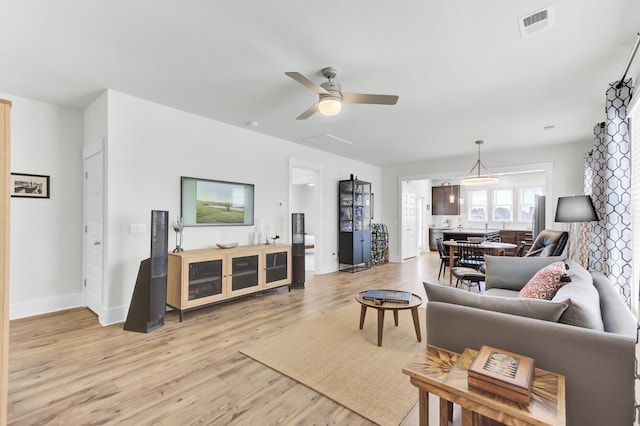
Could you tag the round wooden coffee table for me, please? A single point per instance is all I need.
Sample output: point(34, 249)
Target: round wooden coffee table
point(390, 306)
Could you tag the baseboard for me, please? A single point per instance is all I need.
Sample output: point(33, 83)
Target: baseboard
point(113, 315)
point(45, 306)
point(60, 303)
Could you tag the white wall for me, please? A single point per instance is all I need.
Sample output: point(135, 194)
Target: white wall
point(567, 178)
point(46, 234)
point(303, 202)
point(149, 146)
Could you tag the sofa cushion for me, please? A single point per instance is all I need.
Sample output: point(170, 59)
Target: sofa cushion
point(532, 308)
point(545, 283)
point(616, 315)
point(502, 292)
point(512, 273)
point(583, 299)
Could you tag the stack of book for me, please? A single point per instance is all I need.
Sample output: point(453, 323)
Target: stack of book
point(503, 373)
point(388, 296)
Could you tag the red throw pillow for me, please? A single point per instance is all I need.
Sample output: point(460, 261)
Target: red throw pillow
point(545, 283)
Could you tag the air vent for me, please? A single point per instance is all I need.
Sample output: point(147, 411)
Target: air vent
point(326, 141)
point(536, 17)
point(536, 22)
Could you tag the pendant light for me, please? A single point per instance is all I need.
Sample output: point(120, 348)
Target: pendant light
point(475, 177)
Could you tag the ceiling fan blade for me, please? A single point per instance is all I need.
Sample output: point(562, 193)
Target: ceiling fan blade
point(309, 112)
point(362, 98)
point(307, 82)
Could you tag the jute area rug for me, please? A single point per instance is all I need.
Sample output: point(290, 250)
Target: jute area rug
point(332, 356)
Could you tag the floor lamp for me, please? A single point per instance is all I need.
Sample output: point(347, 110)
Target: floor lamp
point(574, 210)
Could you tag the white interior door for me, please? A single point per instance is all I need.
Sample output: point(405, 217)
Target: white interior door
point(409, 225)
point(94, 229)
point(420, 231)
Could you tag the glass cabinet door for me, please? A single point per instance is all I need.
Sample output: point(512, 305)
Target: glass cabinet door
point(244, 272)
point(346, 206)
point(276, 266)
point(205, 279)
point(362, 207)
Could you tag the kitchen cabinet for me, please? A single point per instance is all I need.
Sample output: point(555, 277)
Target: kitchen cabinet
point(514, 236)
point(441, 200)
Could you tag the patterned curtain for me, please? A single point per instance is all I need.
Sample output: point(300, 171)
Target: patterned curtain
point(585, 230)
point(610, 248)
point(608, 181)
point(594, 185)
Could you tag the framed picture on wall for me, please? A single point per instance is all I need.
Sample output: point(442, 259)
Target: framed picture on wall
point(29, 186)
point(206, 202)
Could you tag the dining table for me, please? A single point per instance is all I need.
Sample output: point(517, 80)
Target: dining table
point(491, 247)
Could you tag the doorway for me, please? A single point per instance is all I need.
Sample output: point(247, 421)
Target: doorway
point(305, 197)
point(409, 222)
point(94, 227)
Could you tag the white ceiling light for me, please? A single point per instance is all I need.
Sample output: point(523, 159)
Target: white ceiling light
point(475, 176)
point(329, 105)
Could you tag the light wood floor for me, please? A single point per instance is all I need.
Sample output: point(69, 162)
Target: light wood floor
point(66, 369)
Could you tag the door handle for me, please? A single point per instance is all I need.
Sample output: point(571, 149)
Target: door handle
point(96, 243)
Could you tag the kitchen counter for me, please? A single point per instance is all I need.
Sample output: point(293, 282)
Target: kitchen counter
point(462, 234)
point(470, 231)
point(513, 236)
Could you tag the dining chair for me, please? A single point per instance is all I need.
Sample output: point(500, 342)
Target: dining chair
point(470, 255)
point(468, 276)
point(444, 258)
point(470, 260)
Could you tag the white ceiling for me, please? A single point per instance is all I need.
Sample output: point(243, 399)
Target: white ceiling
point(460, 67)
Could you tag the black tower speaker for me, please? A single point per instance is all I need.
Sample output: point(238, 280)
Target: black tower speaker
point(297, 250)
point(148, 303)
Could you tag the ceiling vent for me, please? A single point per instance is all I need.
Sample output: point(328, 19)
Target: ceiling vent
point(536, 22)
point(326, 141)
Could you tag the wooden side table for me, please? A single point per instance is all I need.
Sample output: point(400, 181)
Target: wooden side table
point(444, 373)
point(390, 306)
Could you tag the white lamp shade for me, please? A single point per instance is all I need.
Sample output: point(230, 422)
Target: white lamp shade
point(330, 105)
point(578, 208)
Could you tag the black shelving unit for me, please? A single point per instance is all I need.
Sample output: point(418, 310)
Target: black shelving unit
point(354, 222)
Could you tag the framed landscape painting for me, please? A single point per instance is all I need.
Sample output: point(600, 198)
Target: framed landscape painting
point(207, 202)
point(29, 186)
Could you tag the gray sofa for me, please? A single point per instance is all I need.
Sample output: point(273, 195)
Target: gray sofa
point(586, 332)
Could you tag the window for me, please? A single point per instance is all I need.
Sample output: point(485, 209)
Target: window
point(526, 203)
point(477, 205)
point(503, 205)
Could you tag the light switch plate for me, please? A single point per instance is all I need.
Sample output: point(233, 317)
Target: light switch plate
point(137, 228)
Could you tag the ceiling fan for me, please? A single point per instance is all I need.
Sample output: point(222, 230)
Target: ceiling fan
point(331, 96)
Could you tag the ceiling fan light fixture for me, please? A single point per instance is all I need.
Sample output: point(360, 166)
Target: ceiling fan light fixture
point(331, 97)
point(475, 176)
point(330, 105)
